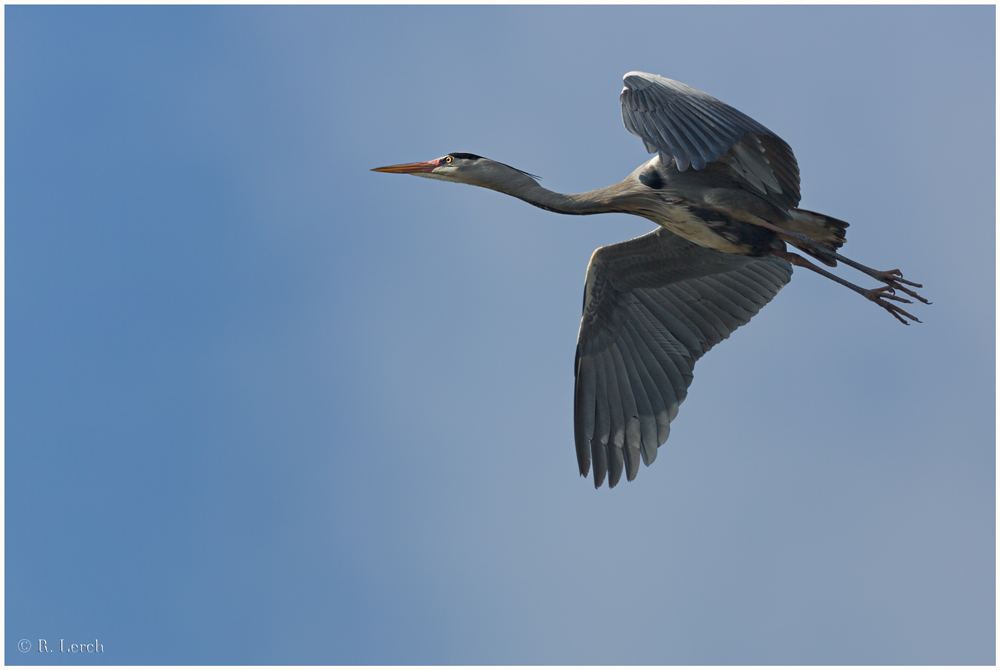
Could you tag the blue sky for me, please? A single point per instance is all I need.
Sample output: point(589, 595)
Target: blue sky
point(266, 406)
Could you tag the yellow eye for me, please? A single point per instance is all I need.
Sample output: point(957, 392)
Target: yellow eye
point(447, 159)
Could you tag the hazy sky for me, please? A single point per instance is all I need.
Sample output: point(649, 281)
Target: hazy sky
point(266, 406)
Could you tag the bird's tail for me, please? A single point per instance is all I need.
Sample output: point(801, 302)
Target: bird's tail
point(826, 230)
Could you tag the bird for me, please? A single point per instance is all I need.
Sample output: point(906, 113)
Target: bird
point(724, 193)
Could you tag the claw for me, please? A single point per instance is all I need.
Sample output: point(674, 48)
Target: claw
point(894, 279)
point(890, 276)
point(879, 297)
point(914, 294)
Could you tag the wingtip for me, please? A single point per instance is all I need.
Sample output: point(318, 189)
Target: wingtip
point(636, 80)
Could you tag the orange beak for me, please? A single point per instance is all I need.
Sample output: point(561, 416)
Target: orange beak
point(410, 168)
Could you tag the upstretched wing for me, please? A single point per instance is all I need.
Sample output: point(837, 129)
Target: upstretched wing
point(652, 307)
point(692, 128)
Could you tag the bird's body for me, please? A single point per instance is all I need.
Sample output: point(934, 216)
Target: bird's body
point(700, 210)
point(724, 191)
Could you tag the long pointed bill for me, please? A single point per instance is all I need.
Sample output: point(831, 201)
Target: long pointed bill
point(410, 168)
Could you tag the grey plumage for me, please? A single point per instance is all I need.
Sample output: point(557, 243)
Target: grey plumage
point(681, 122)
point(691, 128)
point(724, 191)
point(657, 305)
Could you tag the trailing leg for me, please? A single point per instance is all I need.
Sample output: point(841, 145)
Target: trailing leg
point(892, 278)
point(879, 296)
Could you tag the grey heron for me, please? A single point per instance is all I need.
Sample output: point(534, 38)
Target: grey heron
point(724, 191)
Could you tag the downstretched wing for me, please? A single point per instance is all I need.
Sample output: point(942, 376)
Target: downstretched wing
point(692, 128)
point(652, 307)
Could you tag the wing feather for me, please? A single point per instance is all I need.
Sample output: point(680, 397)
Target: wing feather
point(664, 367)
point(685, 333)
point(633, 430)
point(584, 407)
point(630, 414)
point(599, 449)
point(647, 398)
point(653, 306)
point(685, 300)
point(661, 391)
point(616, 443)
point(728, 305)
point(748, 290)
point(675, 366)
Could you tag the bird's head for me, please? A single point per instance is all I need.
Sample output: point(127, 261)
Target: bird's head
point(461, 168)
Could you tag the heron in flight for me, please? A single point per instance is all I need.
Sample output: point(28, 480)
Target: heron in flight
point(724, 192)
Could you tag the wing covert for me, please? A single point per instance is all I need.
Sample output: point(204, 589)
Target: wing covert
point(652, 307)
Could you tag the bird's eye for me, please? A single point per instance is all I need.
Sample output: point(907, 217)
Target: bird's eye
point(447, 159)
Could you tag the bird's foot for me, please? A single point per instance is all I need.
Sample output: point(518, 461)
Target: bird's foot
point(881, 295)
point(894, 279)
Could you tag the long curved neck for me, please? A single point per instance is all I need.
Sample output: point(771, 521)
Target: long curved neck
point(513, 182)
